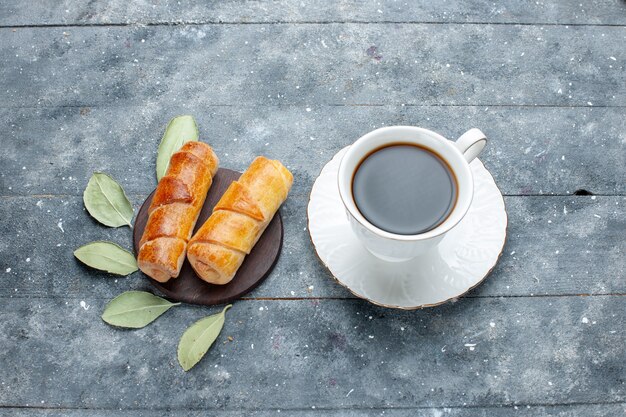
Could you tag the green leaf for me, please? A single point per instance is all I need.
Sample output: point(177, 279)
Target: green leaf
point(107, 256)
point(106, 201)
point(198, 338)
point(135, 309)
point(180, 130)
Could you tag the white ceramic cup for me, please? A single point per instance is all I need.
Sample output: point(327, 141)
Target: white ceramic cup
point(394, 247)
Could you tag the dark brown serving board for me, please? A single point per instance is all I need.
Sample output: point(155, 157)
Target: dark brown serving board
point(188, 287)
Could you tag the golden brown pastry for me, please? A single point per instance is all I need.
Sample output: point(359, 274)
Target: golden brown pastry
point(217, 250)
point(174, 210)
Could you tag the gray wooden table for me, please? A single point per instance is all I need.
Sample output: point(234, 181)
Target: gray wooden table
point(88, 86)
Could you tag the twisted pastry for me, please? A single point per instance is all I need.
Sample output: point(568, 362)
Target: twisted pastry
point(174, 210)
point(218, 249)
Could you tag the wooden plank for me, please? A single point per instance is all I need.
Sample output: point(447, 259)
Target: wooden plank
point(335, 354)
point(531, 150)
point(596, 410)
point(50, 12)
point(555, 246)
point(338, 64)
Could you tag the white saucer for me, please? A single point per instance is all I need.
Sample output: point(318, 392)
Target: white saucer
point(460, 262)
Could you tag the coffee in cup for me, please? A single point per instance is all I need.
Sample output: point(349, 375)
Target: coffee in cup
point(404, 188)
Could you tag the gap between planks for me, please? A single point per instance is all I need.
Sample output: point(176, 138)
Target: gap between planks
point(139, 196)
point(297, 105)
point(299, 22)
point(65, 297)
point(322, 408)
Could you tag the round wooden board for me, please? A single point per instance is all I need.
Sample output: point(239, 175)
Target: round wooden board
point(188, 287)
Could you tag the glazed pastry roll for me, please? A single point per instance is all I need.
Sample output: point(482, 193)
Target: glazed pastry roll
point(218, 249)
point(174, 210)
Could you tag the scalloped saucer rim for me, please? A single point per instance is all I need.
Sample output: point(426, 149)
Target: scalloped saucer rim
point(460, 262)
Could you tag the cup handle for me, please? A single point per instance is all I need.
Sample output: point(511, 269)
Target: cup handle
point(471, 143)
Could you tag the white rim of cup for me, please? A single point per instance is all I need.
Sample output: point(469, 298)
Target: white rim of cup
point(437, 231)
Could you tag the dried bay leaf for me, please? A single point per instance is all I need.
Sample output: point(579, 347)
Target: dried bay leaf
point(135, 309)
point(106, 201)
point(179, 130)
point(107, 256)
point(198, 338)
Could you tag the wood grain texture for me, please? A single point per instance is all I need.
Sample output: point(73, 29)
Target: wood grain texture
point(311, 353)
point(555, 246)
point(93, 91)
point(188, 287)
point(531, 150)
point(595, 410)
point(66, 12)
point(314, 64)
